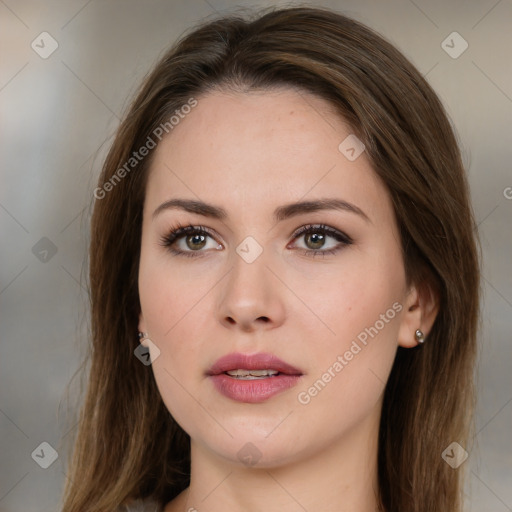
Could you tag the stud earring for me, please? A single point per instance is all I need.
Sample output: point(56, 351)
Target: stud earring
point(420, 337)
point(143, 335)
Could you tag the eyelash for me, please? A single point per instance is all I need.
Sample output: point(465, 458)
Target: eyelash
point(179, 231)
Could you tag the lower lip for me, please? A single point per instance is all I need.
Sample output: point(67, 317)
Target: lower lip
point(254, 390)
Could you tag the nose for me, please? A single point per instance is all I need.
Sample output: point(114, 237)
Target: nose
point(251, 296)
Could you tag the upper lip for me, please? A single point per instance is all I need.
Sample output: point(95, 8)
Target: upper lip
point(260, 361)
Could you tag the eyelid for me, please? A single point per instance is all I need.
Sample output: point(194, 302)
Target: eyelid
point(179, 230)
point(333, 232)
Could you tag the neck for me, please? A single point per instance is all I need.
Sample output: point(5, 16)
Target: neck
point(341, 478)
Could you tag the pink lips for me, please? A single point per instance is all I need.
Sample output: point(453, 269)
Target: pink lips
point(256, 390)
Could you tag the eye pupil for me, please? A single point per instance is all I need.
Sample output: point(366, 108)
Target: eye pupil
point(195, 237)
point(316, 239)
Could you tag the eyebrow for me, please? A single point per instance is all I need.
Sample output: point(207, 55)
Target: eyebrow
point(281, 213)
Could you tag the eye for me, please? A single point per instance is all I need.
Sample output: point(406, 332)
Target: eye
point(315, 237)
point(194, 238)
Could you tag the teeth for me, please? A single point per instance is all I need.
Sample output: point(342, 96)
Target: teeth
point(252, 374)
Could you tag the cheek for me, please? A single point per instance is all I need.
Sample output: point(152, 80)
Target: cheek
point(360, 307)
point(346, 298)
point(349, 370)
point(168, 306)
point(172, 312)
point(174, 303)
point(169, 293)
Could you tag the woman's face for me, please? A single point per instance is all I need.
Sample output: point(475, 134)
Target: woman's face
point(329, 302)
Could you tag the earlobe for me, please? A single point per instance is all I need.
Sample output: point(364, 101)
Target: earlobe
point(143, 337)
point(420, 313)
point(142, 326)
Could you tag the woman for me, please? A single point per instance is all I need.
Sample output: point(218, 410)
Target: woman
point(284, 282)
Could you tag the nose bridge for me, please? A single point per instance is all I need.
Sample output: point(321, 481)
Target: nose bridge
point(249, 270)
point(250, 292)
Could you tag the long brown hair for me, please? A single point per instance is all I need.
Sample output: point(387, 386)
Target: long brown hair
point(128, 446)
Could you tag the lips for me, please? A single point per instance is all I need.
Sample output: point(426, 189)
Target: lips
point(247, 381)
point(261, 361)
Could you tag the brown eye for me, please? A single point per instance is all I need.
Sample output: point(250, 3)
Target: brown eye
point(195, 239)
point(316, 237)
point(314, 240)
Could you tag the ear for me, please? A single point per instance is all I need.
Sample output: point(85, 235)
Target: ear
point(142, 328)
point(421, 308)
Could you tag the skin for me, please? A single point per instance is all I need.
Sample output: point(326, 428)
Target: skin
point(277, 147)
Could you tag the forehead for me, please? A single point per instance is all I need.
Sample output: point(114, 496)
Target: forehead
point(262, 149)
point(258, 121)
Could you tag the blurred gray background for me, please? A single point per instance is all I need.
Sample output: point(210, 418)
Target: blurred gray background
point(59, 107)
